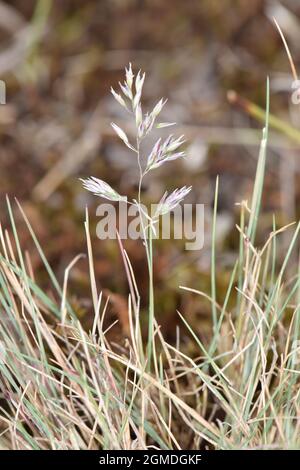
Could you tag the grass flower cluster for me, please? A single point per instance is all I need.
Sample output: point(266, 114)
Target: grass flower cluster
point(161, 153)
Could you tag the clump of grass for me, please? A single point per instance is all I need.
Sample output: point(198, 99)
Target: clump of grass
point(65, 388)
point(161, 153)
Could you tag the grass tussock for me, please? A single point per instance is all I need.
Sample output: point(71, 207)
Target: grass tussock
point(66, 388)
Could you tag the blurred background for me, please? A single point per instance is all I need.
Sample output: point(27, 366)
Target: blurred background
point(59, 59)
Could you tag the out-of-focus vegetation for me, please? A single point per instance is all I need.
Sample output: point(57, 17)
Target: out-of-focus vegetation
point(59, 60)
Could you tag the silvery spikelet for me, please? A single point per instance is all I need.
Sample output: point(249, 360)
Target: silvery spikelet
point(165, 152)
point(101, 189)
point(169, 202)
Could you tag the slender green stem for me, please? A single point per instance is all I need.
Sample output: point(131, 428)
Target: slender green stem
point(148, 242)
point(150, 346)
point(262, 115)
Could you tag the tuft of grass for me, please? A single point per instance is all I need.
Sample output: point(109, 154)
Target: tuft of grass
point(65, 388)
